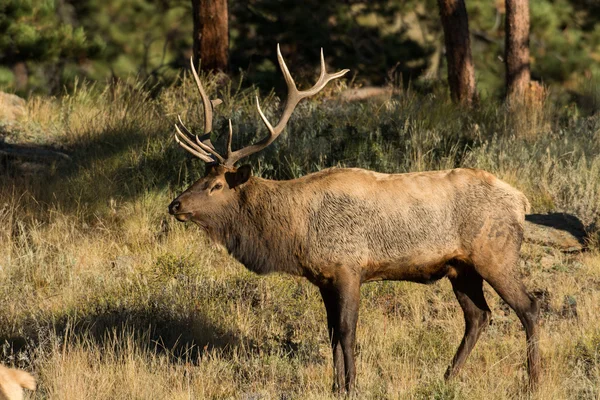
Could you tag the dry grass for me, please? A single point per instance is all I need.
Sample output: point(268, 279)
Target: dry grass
point(103, 296)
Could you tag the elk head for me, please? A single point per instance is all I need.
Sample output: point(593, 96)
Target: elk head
point(205, 201)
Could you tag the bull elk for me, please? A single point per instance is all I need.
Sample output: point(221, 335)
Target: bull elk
point(343, 227)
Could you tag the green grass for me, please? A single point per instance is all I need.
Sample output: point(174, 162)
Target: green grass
point(104, 295)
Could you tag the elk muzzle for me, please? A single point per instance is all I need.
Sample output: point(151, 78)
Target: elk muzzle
point(175, 209)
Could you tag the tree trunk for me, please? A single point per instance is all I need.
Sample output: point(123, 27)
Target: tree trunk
point(517, 48)
point(211, 34)
point(461, 72)
point(21, 76)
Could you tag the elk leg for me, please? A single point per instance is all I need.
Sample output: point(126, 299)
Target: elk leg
point(331, 306)
point(527, 308)
point(468, 288)
point(348, 296)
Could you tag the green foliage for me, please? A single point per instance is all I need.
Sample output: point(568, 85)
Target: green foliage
point(37, 32)
point(369, 37)
point(395, 42)
point(565, 39)
point(33, 31)
point(168, 266)
point(6, 76)
point(144, 37)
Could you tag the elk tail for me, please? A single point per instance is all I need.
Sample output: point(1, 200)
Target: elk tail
point(23, 378)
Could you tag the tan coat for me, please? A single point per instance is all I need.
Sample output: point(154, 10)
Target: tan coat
point(12, 382)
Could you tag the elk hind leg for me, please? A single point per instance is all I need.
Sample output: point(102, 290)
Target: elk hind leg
point(468, 288)
point(527, 308)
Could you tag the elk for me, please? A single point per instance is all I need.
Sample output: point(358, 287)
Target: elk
point(12, 382)
point(342, 227)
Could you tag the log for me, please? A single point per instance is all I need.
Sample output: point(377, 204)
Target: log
point(561, 231)
point(31, 152)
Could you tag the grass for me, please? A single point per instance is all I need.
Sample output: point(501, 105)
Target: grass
point(105, 296)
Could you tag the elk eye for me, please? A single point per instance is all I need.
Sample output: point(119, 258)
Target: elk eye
point(218, 186)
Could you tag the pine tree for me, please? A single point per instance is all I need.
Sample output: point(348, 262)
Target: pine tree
point(211, 34)
point(517, 48)
point(461, 72)
point(31, 31)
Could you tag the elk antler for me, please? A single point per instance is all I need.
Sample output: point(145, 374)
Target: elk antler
point(204, 148)
point(293, 98)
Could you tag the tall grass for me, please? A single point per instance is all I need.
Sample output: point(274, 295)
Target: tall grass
point(103, 295)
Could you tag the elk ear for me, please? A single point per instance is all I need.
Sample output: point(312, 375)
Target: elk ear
point(238, 177)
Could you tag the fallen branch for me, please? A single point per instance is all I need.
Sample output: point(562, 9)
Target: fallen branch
point(30, 152)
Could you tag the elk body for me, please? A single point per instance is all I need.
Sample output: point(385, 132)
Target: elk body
point(341, 228)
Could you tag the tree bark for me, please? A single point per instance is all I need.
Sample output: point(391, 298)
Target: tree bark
point(211, 34)
point(517, 48)
point(461, 72)
point(21, 76)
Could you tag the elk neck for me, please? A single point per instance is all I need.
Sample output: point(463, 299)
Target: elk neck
point(259, 230)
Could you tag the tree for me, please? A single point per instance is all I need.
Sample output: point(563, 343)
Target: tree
point(33, 32)
point(461, 72)
point(211, 34)
point(517, 48)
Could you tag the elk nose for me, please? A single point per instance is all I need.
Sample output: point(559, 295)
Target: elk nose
point(174, 207)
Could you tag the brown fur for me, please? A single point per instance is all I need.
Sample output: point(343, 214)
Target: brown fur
point(340, 228)
point(12, 382)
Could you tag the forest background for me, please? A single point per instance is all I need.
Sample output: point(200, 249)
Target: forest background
point(45, 44)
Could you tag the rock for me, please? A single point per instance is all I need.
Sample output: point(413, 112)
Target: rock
point(558, 230)
point(569, 307)
point(12, 107)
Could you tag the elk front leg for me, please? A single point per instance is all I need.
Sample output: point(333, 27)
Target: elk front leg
point(331, 306)
point(348, 295)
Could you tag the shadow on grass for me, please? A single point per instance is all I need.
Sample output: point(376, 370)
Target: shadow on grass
point(563, 221)
point(116, 162)
point(185, 339)
point(560, 230)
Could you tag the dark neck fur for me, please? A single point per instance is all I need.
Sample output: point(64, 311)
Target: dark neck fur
point(256, 231)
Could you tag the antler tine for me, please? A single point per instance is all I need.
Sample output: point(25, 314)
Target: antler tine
point(193, 152)
point(294, 96)
point(324, 78)
point(203, 148)
point(229, 140)
point(208, 106)
point(190, 146)
point(206, 103)
point(208, 148)
point(188, 133)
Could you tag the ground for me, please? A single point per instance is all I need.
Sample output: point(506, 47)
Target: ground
point(105, 296)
